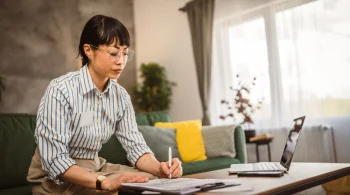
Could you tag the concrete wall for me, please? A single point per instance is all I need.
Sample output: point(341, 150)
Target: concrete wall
point(39, 41)
point(163, 36)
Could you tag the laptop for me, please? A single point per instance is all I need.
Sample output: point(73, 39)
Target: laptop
point(286, 158)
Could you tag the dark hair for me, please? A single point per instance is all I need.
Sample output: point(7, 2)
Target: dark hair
point(100, 30)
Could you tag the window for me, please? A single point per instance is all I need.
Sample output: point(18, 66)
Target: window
point(314, 45)
point(248, 56)
point(299, 52)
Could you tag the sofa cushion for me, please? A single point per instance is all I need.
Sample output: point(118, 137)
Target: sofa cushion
point(22, 190)
point(113, 152)
point(189, 139)
point(150, 118)
point(210, 164)
point(17, 147)
point(158, 116)
point(219, 141)
point(159, 140)
point(142, 119)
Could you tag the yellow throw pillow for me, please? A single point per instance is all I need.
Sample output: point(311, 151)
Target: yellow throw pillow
point(189, 139)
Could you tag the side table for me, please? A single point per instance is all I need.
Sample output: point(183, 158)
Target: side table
point(262, 142)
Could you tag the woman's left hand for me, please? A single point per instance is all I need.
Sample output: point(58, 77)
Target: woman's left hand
point(175, 169)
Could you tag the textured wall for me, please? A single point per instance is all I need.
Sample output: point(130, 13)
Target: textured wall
point(39, 41)
point(159, 23)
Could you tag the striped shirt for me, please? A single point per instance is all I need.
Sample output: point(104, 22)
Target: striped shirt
point(74, 120)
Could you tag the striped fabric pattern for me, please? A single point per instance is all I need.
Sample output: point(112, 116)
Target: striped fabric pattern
point(74, 119)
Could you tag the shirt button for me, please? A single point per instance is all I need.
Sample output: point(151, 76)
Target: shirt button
point(98, 102)
point(97, 121)
point(98, 139)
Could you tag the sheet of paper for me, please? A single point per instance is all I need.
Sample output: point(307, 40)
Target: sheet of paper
point(150, 192)
point(179, 185)
point(240, 188)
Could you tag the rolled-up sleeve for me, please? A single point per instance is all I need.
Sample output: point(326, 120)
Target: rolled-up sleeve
point(128, 133)
point(52, 133)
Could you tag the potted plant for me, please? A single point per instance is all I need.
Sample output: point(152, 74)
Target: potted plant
point(154, 94)
point(242, 107)
point(2, 87)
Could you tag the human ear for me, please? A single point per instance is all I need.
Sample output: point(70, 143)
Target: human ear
point(87, 50)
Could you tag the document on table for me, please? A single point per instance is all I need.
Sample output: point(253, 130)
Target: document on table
point(244, 187)
point(180, 185)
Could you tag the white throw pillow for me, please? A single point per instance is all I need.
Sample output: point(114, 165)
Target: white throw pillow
point(219, 141)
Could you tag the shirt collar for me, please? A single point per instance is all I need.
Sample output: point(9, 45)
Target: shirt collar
point(86, 82)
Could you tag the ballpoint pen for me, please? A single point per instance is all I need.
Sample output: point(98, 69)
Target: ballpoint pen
point(170, 157)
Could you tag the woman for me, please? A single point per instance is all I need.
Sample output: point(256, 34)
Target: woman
point(81, 110)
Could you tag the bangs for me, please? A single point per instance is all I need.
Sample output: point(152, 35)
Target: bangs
point(111, 30)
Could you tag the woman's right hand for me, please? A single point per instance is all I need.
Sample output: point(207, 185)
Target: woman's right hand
point(113, 183)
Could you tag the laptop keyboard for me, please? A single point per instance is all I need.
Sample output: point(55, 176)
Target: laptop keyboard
point(265, 166)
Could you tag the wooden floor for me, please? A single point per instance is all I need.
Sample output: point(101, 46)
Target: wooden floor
point(318, 190)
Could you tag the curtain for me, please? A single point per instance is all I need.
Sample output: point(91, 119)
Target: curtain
point(313, 44)
point(232, 31)
point(297, 49)
point(200, 17)
point(222, 74)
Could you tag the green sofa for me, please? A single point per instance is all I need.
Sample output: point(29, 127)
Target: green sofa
point(17, 147)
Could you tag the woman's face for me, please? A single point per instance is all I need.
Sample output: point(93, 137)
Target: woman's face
point(108, 61)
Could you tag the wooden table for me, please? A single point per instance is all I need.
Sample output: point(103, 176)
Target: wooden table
point(301, 176)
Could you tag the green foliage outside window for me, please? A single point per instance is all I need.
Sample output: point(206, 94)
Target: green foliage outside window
point(154, 94)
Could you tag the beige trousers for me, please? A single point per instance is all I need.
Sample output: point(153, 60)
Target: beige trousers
point(44, 186)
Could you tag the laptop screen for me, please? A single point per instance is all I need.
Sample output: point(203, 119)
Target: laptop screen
point(292, 142)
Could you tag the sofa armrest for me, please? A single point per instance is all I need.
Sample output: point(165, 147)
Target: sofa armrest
point(240, 145)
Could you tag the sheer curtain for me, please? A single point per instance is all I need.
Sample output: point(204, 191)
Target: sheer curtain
point(314, 45)
point(221, 73)
point(297, 49)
